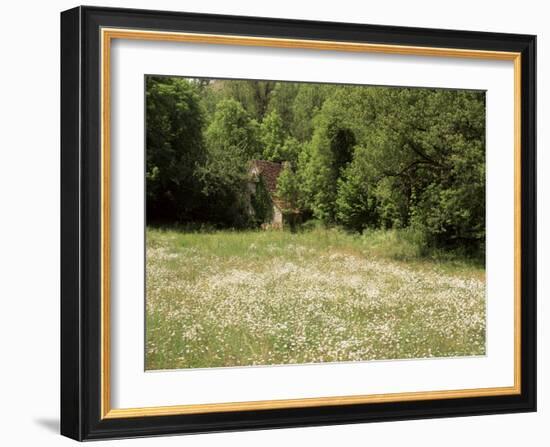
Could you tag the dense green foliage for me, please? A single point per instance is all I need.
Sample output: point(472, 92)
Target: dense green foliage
point(360, 157)
point(288, 190)
point(261, 203)
point(175, 148)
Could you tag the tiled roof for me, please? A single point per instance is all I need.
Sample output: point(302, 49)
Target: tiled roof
point(270, 171)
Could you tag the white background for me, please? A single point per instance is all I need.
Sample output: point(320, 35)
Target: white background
point(29, 227)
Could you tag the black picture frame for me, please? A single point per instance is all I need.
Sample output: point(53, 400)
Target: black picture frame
point(81, 223)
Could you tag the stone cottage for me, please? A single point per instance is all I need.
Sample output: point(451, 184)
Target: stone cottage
point(269, 172)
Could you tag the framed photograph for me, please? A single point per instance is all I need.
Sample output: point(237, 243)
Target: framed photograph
point(276, 223)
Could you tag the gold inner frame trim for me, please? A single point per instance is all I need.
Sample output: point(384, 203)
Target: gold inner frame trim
point(107, 35)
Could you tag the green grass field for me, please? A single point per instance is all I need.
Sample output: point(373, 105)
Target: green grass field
point(274, 297)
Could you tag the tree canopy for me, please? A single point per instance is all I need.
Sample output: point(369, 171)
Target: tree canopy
point(359, 157)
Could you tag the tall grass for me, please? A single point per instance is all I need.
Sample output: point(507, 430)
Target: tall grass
point(228, 298)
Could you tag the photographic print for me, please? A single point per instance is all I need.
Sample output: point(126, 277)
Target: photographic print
point(295, 223)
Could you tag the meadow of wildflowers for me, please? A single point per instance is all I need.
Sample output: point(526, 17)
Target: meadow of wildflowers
point(227, 298)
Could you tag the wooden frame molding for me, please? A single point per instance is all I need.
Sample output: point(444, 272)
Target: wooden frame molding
point(107, 36)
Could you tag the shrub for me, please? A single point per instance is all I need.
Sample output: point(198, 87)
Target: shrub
point(312, 224)
point(402, 244)
point(262, 205)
